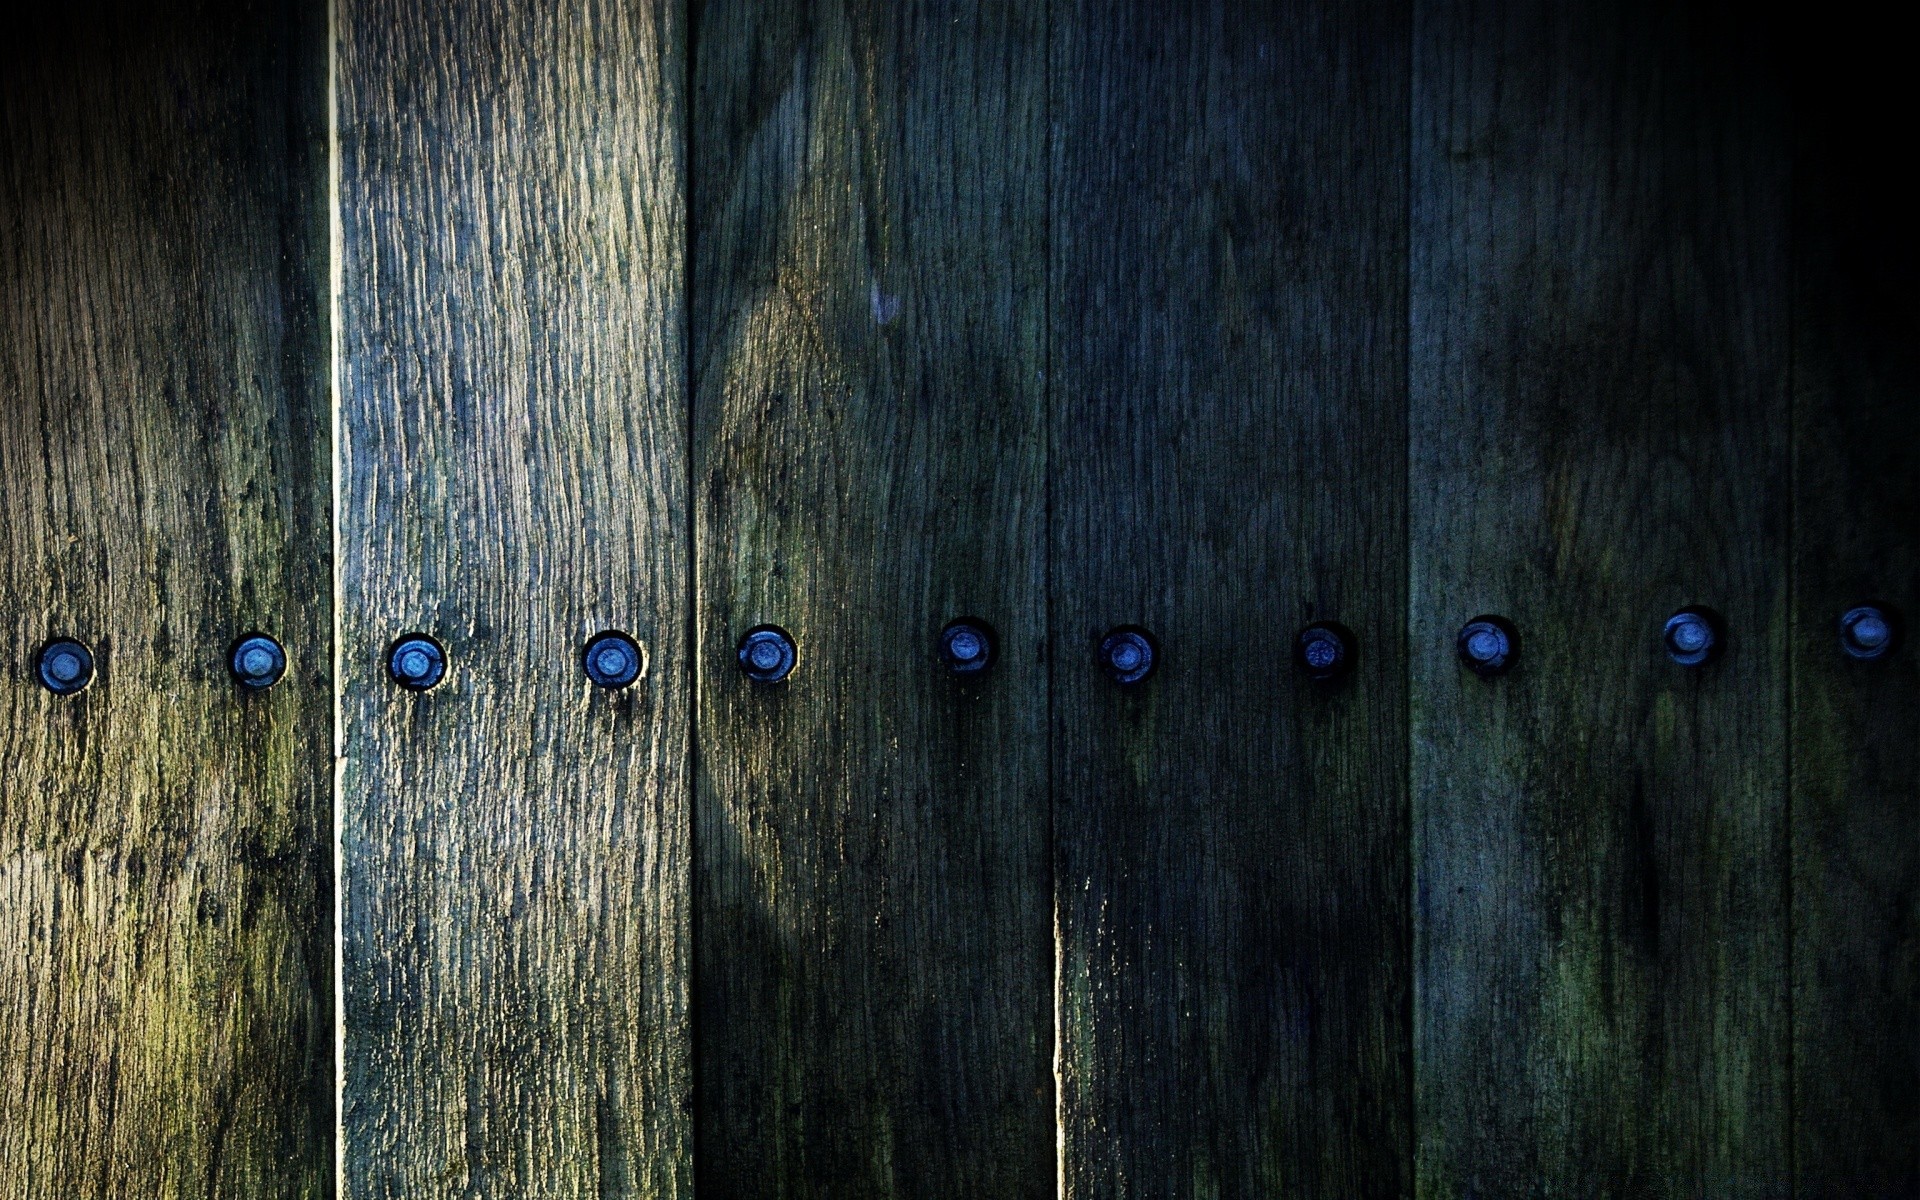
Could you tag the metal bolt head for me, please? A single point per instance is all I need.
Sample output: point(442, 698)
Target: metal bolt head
point(1324, 650)
point(1488, 645)
point(257, 662)
point(613, 660)
point(416, 662)
point(767, 654)
point(1128, 655)
point(1692, 636)
point(1868, 632)
point(967, 647)
point(64, 666)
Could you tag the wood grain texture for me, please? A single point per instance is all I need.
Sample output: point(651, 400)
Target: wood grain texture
point(1227, 318)
point(1856, 756)
point(1598, 438)
point(874, 957)
point(165, 865)
point(512, 449)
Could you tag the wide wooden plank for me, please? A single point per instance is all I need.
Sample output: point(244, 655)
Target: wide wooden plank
point(874, 982)
point(1598, 422)
point(1227, 330)
point(1856, 756)
point(512, 461)
point(166, 957)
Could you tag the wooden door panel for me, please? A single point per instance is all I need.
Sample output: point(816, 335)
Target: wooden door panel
point(1599, 349)
point(512, 455)
point(166, 960)
point(1227, 385)
point(874, 950)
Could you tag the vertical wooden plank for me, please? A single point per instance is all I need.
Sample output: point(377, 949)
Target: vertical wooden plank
point(512, 442)
point(1227, 319)
point(1598, 438)
point(1856, 759)
point(165, 862)
point(874, 958)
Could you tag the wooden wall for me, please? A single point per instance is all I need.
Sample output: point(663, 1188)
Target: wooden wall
point(513, 322)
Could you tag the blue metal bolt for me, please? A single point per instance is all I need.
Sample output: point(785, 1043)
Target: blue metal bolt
point(257, 662)
point(1324, 650)
point(1692, 636)
point(767, 654)
point(65, 666)
point(1486, 645)
point(416, 662)
point(613, 660)
point(1868, 632)
point(1128, 655)
point(967, 646)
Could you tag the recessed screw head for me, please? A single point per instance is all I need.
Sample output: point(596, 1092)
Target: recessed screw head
point(1868, 632)
point(1128, 655)
point(613, 660)
point(1324, 650)
point(1692, 636)
point(257, 662)
point(64, 666)
point(767, 654)
point(967, 646)
point(416, 662)
point(1488, 645)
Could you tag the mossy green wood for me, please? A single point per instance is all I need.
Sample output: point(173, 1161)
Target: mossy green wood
point(165, 866)
point(512, 457)
point(874, 951)
point(1599, 437)
point(1856, 736)
point(1227, 377)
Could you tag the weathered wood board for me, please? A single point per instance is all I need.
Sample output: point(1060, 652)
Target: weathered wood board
point(1599, 414)
point(874, 954)
point(1856, 540)
point(1227, 300)
point(166, 959)
point(512, 443)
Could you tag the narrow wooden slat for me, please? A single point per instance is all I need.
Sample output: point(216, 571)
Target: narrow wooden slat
point(165, 839)
point(873, 954)
point(512, 442)
point(1227, 317)
point(1599, 424)
point(1856, 736)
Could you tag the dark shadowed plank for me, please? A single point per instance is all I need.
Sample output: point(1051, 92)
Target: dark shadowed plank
point(513, 473)
point(1856, 740)
point(1228, 310)
point(1599, 423)
point(165, 866)
point(874, 956)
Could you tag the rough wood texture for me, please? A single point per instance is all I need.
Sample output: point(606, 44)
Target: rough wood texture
point(512, 449)
point(1228, 311)
point(1598, 417)
point(874, 956)
point(1856, 756)
point(165, 867)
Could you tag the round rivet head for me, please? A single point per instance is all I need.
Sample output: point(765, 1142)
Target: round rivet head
point(1692, 636)
point(1868, 632)
point(1324, 651)
point(416, 662)
point(257, 662)
point(767, 654)
point(967, 646)
point(613, 660)
point(64, 666)
point(1128, 655)
point(1488, 645)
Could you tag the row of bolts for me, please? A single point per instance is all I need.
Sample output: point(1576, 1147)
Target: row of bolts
point(1128, 654)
